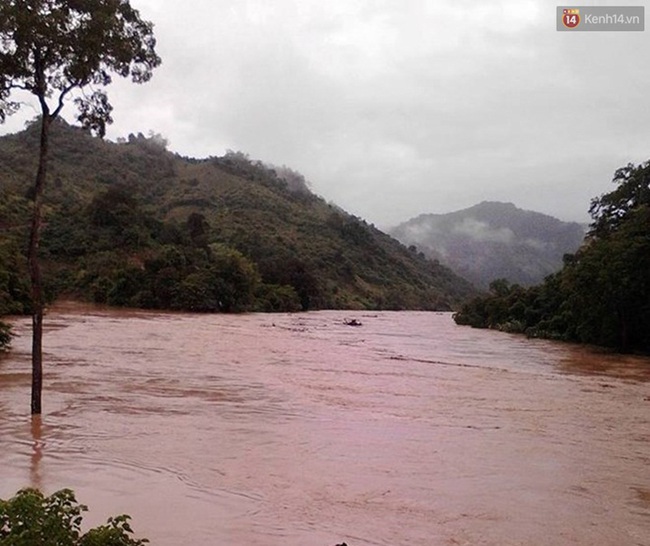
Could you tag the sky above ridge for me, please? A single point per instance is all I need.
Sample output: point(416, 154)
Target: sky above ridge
point(395, 108)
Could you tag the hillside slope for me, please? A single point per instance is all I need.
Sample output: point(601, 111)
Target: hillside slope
point(124, 219)
point(494, 240)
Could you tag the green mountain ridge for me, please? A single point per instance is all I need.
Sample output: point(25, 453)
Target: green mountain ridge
point(131, 223)
point(494, 240)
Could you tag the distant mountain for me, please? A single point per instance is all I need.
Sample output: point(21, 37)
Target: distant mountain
point(131, 223)
point(494, 240)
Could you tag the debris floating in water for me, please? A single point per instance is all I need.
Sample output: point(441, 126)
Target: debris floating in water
point(351, 322)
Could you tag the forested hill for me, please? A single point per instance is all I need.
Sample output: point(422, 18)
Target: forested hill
point(494, 240)
point(130, 223)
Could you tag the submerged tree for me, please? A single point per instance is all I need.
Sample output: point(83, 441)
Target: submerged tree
point(57, 50)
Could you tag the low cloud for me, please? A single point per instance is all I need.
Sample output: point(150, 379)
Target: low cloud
point(481, 231)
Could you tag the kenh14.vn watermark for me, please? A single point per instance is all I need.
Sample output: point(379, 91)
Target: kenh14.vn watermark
point(600, 18)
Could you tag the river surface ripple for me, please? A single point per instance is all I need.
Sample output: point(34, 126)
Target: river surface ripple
point(297, 430)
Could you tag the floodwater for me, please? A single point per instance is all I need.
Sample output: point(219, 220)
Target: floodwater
point(297, 430)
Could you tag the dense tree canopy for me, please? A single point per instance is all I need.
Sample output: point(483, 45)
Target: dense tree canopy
point(54, 48)
point(602, 295)
point(14, 286)
point(611, 210)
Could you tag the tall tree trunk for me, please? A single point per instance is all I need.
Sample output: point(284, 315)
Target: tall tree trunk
point(38, 302)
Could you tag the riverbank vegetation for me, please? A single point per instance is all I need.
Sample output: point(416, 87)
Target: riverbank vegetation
point(30, 518)
point(129, 223)
point(14, 278)
point(602, 294)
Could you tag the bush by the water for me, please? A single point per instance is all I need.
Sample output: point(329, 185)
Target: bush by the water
point(32, 519)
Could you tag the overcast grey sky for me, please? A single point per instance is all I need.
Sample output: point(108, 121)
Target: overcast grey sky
point(393, 108)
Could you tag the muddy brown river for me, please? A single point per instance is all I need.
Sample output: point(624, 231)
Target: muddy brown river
point(297, 430)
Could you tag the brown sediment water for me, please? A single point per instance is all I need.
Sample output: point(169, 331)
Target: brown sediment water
point(296, 430)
